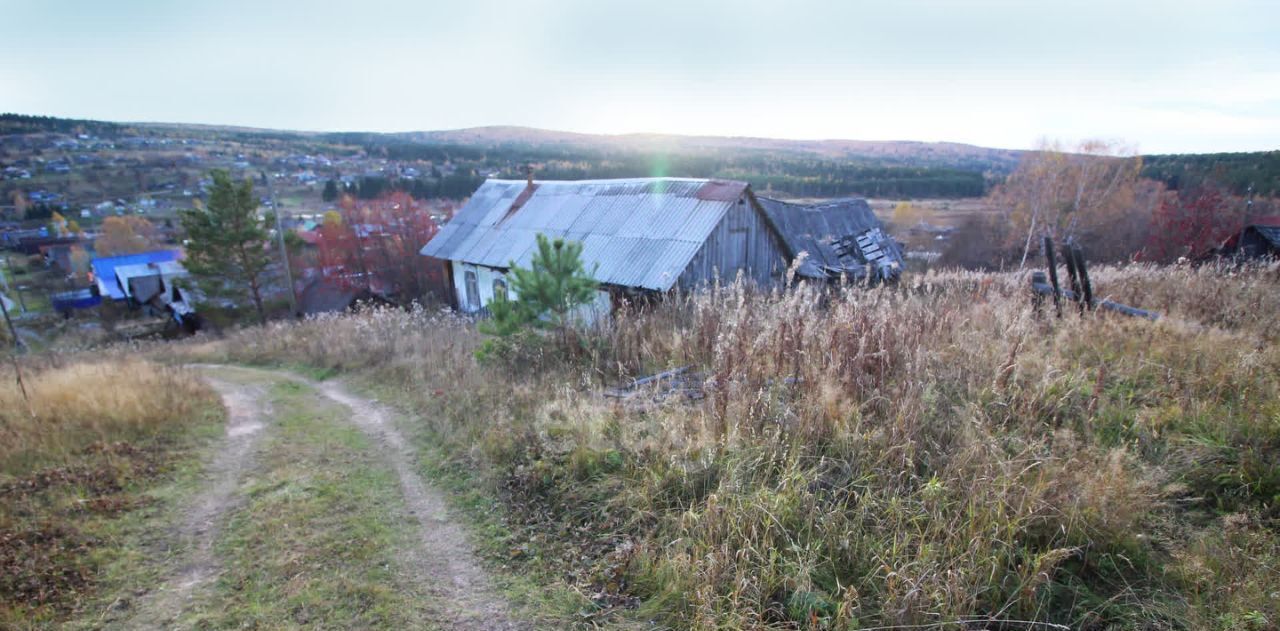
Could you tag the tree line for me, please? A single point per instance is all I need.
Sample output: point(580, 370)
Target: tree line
point(1255, 173)
point(1102, 197)
point(455, 186)
point(27, 124)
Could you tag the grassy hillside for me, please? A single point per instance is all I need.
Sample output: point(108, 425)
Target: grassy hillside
point(84, 472)
point(927, 455)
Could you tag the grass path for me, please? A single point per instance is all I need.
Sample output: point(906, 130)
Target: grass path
point(312, 515)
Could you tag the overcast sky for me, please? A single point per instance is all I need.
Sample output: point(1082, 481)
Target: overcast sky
point(1164, 75)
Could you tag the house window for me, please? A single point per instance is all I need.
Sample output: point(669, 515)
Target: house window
point(473, 291)
point(499, 289)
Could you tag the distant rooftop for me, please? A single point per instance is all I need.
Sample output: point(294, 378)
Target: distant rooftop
point(104, 269)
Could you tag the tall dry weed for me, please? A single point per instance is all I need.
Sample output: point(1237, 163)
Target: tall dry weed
point(930, 453)
point(77, 403)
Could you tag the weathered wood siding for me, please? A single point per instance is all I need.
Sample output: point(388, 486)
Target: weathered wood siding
point(484, 284)
point(741, 241)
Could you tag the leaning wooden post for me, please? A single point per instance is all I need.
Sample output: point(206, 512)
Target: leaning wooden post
point(1085, 284)
point(1053, 275)
point(1071, 272)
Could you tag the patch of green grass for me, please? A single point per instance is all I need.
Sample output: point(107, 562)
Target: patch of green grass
point(315, 542)
point(315, 373)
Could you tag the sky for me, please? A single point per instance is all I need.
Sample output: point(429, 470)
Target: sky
point(1160, 76)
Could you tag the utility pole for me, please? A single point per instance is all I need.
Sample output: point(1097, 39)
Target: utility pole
point(17, 348)
point(284, 253)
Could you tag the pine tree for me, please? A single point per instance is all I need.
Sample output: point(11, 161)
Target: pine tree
point(556, 283)
point(547, 293)
point(228, 250)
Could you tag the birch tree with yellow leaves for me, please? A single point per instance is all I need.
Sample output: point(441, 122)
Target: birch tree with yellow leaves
point(1092, 192)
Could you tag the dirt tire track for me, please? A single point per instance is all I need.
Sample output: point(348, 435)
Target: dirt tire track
point(445, 561)
point(207, 511)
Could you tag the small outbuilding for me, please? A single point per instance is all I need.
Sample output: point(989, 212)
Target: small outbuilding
point(327, 295)
point(1258, 240)
point(109, 283)
point(153, 281)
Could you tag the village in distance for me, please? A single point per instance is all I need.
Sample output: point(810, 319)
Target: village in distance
point(93, 211)
point(927, 315)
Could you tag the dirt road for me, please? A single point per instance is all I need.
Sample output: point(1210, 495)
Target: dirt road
point(444, 560)
point(205, 512)
point(435, 561)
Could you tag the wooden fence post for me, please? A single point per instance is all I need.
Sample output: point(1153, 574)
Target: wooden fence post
point(1071, 272)
point(1053, 275)
point(1085, 284)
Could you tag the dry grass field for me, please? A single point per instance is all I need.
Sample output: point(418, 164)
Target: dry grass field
point(934, 454)
point(82, 480)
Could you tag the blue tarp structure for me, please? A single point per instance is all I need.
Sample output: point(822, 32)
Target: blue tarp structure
point(66, 301)
point(104, 269)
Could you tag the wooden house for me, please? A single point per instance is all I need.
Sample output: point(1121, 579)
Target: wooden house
point(638, 235)
point(645, 235)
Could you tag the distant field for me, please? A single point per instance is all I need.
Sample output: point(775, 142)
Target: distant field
point(938, 213)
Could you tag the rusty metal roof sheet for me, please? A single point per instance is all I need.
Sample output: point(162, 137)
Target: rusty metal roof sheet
point(635, 232)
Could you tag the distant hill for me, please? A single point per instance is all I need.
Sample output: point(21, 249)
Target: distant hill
point(23, 124)
point(458, 159)
point(948, 154)
point(900, 152)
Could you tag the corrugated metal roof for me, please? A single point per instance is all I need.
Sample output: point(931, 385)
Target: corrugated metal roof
point(635, 232)
point(818, 230)
point(168, 268)
point(104, 269)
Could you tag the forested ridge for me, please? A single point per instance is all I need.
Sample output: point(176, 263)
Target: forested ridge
point(1255, 173)
point(461, 159)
